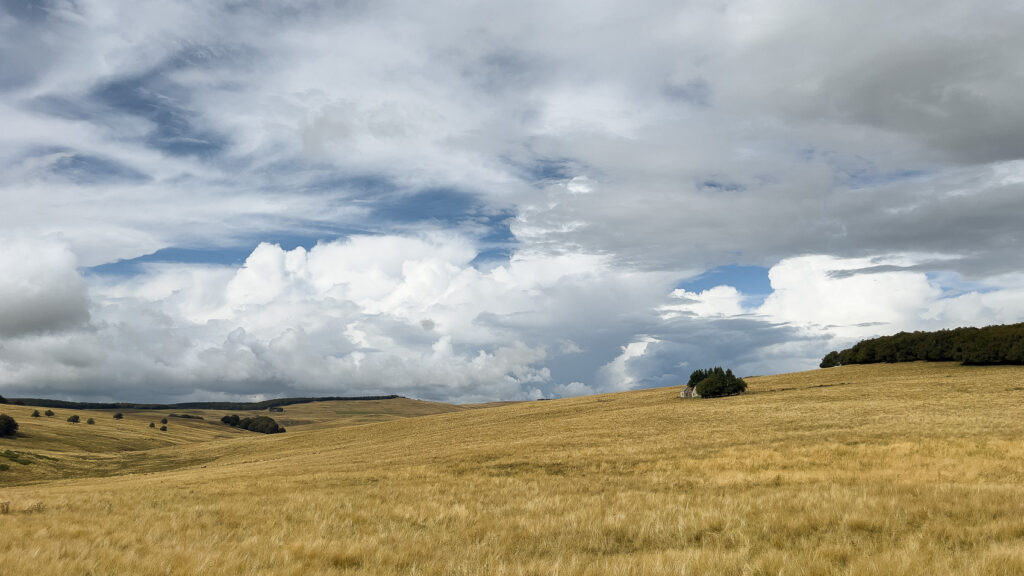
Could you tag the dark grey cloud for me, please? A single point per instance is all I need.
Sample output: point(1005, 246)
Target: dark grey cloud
point(40, 290)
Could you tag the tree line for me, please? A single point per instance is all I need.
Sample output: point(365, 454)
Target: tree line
point(265, 404)
point(999, 344)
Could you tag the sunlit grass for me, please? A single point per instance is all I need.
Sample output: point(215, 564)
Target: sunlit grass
point(903, 469)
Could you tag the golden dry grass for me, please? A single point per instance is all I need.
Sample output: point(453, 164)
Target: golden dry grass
point(56, 448)
point(901, 469)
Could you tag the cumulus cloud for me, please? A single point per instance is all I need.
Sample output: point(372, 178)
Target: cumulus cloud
point(347, 317)
point(844, 300)
point(40, 288)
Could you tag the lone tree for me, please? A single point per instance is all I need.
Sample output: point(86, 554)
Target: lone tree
point(74, 419)
point(715, 382)
point(151, 425)
point(118, 416)
point(36, 414)
point(48, 412)
point(90, 421)
point(7, 425)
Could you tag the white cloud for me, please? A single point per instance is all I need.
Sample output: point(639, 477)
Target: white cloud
point(848, 299)
point(40, 288)
point(617, 376)
point(716, 301)
point(574, 389)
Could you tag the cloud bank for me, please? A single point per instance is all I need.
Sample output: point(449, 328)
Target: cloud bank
point(231, 199)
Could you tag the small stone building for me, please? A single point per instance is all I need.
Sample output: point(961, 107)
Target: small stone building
point(689, 392)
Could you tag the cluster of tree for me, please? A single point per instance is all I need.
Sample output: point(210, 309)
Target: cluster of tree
point(263, 424)
point(1002, 344)
point(192, 416)
point(8, 426)
point(74, 419)
point(188, 405)
point(715, 382)
point(3, 400)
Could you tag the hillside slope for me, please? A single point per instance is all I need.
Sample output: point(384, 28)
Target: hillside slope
point(895, 469)
point(52, 447)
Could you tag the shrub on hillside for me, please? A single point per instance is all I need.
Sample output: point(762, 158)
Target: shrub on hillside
point(716, 382)
point(163, 420)
point(152, 425)
point(3, 400)
point(36, 414)
point(90, 421)
point(8, 426)
point(48, 412)
point(262, 424)
point(118, 416)
point(187, 416)
point(74, 419)
point(163, 428)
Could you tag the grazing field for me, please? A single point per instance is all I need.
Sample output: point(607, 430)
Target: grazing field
point(56, 448)
point(856, 470)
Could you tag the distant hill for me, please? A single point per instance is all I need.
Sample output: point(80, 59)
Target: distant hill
point(1000, 344)
point(47, 403)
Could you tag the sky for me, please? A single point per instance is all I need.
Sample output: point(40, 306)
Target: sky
point(470, 201)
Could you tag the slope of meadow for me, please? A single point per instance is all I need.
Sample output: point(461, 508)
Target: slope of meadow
point(52, 447)
point(880, 469)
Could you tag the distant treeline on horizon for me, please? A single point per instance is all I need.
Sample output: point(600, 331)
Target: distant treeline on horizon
point(1000, 344)
point(265, 404)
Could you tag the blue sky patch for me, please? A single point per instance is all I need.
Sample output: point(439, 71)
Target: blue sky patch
point(152, 96)
point(750, 280)
point(953, 285)
point(442, 205)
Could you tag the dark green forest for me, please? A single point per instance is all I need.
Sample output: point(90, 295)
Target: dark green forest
point(46, 403)
point(1000, 344)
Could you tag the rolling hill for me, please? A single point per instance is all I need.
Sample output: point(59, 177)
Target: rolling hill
point(897, 469)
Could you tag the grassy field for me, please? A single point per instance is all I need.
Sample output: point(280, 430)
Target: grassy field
point(883, 469)
point(52, 447)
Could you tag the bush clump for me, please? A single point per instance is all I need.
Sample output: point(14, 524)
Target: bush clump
point(163, 420)
point(152, 425)
point(262, 424)
point(163, 428)
point(36, 414)
point(716, 382)
point(8, 426)
point(74, 419)
point(90, 421)
point(48, 413)
point(118, 416)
